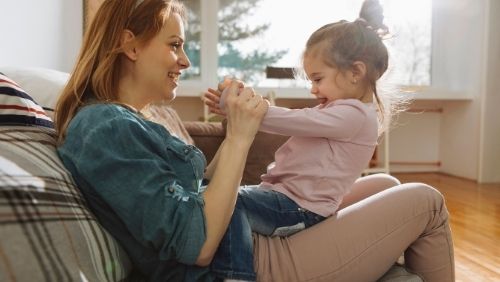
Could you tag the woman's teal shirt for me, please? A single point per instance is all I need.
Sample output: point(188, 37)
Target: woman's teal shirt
point(144, 186)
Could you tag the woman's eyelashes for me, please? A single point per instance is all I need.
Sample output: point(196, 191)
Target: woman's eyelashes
point(175, 46)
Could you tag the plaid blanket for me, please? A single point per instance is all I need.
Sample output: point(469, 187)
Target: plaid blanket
point(47, 231)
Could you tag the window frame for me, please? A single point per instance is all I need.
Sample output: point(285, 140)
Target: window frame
point(208, 52)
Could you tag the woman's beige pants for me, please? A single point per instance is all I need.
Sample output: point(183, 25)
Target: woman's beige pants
point(378, 221)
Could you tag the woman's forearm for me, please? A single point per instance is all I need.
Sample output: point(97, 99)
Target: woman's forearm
point(209, 171)
point(245, 113)
point(220, 195)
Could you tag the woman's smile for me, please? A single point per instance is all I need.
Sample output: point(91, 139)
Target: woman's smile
point(174, 76)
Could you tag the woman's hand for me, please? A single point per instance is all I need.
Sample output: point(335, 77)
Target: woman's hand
point(211, 98)
point(244, 110)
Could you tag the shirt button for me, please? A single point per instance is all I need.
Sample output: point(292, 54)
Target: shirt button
point(186, 150)
point(171, 189)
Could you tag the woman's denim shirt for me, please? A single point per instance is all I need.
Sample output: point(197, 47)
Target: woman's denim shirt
point(143, 184)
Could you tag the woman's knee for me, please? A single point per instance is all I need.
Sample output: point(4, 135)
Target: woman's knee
point(425, 194)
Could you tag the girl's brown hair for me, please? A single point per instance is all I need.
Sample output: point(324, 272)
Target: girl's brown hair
point(97, 69)
point(343, 43)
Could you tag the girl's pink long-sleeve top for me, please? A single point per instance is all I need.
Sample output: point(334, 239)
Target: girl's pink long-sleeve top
point(328, 149)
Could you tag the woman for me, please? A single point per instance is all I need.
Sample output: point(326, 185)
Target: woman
point(143, 184)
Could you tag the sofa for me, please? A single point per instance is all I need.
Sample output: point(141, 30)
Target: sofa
point(48, 232)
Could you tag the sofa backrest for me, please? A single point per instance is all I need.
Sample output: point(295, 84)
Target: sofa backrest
point(47, 231)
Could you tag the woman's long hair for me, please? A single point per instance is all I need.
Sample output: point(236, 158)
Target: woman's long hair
point(97, 69)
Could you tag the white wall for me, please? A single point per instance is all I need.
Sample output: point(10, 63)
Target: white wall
point(490, 146)
point(461, 36)
point(459, 142)
point(414, 139)
point(40, 33)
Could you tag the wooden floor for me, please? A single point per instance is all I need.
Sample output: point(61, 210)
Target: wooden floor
point(475, 223)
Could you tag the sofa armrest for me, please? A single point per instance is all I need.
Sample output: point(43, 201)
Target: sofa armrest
point(208, 136)
point(261, 154)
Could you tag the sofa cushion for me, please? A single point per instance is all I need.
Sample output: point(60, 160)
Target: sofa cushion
point(19, 108)
point(48, 233)
point(261, 154)
point(43, 84)
point(207, 136)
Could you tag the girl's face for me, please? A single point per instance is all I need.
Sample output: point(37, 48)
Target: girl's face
point(160, 61)
point(327, 83)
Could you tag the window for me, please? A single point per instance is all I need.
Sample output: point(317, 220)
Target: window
point(242, 37)
point(193, 39)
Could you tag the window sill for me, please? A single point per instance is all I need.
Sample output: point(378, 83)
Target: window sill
point(418, 92)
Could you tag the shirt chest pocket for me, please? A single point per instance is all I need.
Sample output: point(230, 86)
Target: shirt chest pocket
point(189, 164)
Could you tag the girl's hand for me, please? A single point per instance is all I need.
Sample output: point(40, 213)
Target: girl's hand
point(227, 82)
point(215, 99)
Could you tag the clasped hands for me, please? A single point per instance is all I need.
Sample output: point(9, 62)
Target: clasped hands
point(243, 108)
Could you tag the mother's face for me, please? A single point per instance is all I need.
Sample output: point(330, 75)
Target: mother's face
point(160, 62)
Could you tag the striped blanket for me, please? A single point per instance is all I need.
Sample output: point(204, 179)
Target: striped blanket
point(47, 231)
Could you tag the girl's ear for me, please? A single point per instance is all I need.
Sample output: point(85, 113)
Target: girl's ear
point(358, 71)
point(129, 44)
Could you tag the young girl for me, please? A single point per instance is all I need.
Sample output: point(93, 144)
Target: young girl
point(330, 144)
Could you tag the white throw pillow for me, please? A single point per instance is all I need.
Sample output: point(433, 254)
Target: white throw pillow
point(44, 85)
